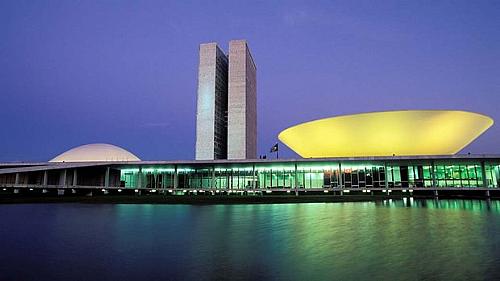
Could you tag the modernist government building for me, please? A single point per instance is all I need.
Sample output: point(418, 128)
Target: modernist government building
point(412, 151)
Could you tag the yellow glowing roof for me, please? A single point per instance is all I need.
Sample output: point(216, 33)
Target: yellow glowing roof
point(411, 132)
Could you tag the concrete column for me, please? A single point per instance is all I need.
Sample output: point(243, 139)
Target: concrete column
point(212, 184)
point(106, 178)
point(386, 182)
point(340, 175)
point(296, 181)
point(483, 171)
point(488, 193)
point(254, 178)
point(433, 174)
point(45, 177)
point(436, 194)
point(17, 179)
point(176, 178)
point(62, 178)
point(162, 183)
point(75, 178)
point(139, 178)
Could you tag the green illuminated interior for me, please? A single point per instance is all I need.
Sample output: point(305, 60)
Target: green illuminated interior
point(308, 175)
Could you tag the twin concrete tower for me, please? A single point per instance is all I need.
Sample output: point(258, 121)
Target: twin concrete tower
point(226, 115)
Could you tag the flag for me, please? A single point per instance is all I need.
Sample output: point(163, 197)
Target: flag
point(274, 148)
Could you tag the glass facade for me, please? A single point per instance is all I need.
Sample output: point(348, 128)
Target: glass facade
point(443, 173)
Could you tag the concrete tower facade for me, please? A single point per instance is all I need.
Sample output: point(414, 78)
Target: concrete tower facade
point(226, 116)
point(242, 102)
point(211, 112)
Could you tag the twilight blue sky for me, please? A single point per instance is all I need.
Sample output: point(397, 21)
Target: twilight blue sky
point(125, 72)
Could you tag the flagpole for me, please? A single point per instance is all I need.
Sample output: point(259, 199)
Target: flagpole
point(276, 149)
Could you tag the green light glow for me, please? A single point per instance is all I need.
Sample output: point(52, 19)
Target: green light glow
point(316, 175)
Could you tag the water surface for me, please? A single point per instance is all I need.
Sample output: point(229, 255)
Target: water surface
point(390, 240)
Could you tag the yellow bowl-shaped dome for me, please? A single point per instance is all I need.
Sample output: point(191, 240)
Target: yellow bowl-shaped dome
point(410, 132)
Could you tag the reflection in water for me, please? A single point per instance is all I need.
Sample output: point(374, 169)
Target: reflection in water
point(388, 240)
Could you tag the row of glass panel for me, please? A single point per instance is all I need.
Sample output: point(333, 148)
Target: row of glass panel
point(316, 176)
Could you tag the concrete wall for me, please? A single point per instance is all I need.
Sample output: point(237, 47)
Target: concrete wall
point(211, 127)
point(242, 103)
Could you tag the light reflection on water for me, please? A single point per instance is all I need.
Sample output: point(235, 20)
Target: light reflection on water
point(388, 240)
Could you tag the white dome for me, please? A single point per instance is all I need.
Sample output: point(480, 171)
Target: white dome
point(95, 152)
